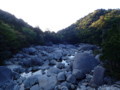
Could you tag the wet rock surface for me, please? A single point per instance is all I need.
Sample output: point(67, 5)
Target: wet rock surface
point(56, 67)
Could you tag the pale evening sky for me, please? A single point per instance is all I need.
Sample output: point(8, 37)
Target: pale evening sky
point(54, 14)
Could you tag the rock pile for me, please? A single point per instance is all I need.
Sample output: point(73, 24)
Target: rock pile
point(57, 67)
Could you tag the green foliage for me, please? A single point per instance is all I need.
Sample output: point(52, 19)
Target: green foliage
point(90, 29)
point(51, 38)
point(69, 35)
point(85, 30)
point(90, 18)
point(29, 34)
point(39, 37)
point(111, 51)
point(8, 40)
point(16, 34)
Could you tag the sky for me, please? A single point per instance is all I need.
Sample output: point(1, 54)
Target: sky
point(54, 15)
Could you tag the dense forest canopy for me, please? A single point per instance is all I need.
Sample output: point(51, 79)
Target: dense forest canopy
point(91, 28)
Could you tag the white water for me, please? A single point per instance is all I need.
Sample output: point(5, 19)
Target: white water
point(26, 75)
point(71, 57)
point(64, 62)
point(13, 66)
point(39, 72)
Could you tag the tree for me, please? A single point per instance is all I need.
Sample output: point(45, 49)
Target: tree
point(111, 51)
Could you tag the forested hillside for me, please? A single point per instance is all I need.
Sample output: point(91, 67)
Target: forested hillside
point(91, 28)
point(16, 34)
point(101, 27)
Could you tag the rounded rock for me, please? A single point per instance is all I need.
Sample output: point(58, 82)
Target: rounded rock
point(61, 76)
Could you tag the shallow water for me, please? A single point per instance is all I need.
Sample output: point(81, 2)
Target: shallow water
point(13, 66)
point(71, 57)
point(39, 72)
point(26, 75)
point(64, 62)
